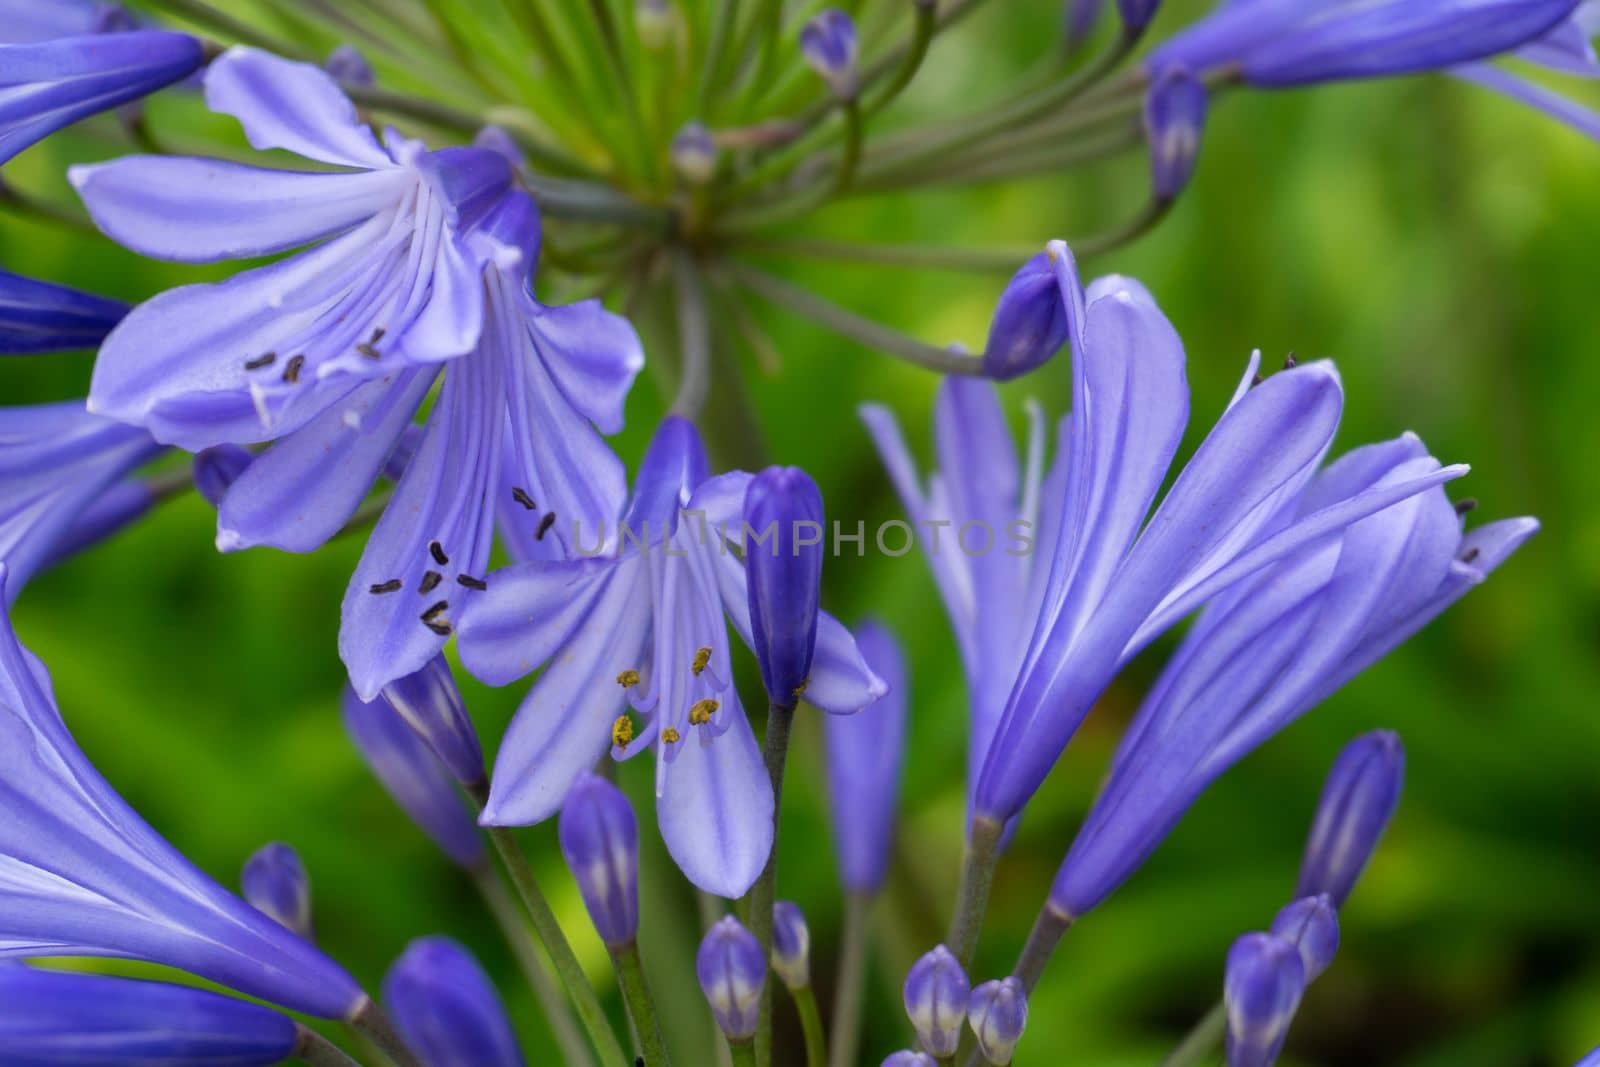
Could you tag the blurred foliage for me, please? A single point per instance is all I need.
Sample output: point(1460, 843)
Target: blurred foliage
point(1439, 242)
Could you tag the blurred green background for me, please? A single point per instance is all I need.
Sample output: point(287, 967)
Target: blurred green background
point(1436, 240)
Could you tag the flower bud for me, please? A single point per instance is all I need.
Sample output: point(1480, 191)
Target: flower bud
point(600, 840)
point(349, 67)
point(1360, 795)
point(694, 153)
point(275, 883)
point(732, 972)
point(652, 20)
point(413, 775)
point(909, 1058)
point(1030, 322)
point(1312, 926)
point(1263, 986)
point(828, 42)
point(215, 469)
point(446, 1007)
point(783, 562)
point(1174, 119)
point(936, 994)
point(997, 1013)
point(791, 945)
point(430, 703)
point(1082, 19)
point(1136, 14)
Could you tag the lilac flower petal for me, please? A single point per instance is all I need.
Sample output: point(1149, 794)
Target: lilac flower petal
point(715, 808)
point(81, 874)
point(29, 21)
point(205, 210)
point(565, 723)
point(443, 507)
point(121, 505)
point(528, 613)
point(863, 755)
point(56, 462)
point(672, 469)
point(841, 681)
point(301, 491)
point(447, 1008)
point(51, 84)
point(57, 1018)
point(593, 355)
point(295, 106)
point(1569, 112)
point(558, 459)
point(1567, 48)
point(37, 316)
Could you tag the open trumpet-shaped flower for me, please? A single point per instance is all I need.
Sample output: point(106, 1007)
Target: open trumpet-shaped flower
point(81, 874)
point(1277, 645)
point(425, 259)
point(1082, 580)
point(642, 627)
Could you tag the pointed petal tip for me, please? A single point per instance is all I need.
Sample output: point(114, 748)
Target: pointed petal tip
point(229, 539)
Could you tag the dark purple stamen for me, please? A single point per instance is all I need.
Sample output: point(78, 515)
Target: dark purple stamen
point(430, 582)
point(393, 585)
point(266, 360)
point(544, 526)
point(291, 373)
point(436, 550)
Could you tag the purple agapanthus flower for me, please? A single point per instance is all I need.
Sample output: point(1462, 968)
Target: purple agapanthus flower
point(425, 259)
point(1290, 42)
point(1053, 581)
point(1278, 644)
point(38, 316)
point(81, 874)
point(447, 1008)
point(52, 1018)
point(642, 626)
point(58, 66)
point(1568, 50)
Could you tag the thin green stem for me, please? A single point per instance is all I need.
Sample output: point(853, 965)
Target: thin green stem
point(219, 21)
point(743, 1053)
point(1154, 210)
point(851, 157)
point(972, 898)
point(977, 260)
point(641, 1006)
point(584, 998)
point(847, 323)
point(611, 42)
point(694, 336)
point(983, 166)
point(723, 24)
point(1202, 1041)
point(850, 981)
point(318, 1051)
point(805, 1002)
point(927, 22)
point(514, 926)
point(375, 1025)
point(1048, 930)
point(775, 753)
point(454, 119)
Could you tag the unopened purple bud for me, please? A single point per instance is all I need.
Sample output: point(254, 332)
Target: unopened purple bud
point(1030, 322)
point(1263, 987)
point(276, 884)
point(936, 995)
point(1360, 795)
point(1136, 14)
point(694, 154)
point(216, 469)
point(732, 972)
point(997, 1013)
point(413, 775)
point(447, 1009)
point(909, 1058)
point(430, 701)
point(349, 67)
point(1312, 926)
point(783, 560)
point(829, 44)
point(1174, 120)
point(652, 19)
point(600, 839)
point(1082, 19)
point(791, 945)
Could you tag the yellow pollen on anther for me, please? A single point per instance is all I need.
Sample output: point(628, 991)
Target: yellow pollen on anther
point(700, 711)
point(622, 731)
point(800, 690)
point(628, 679)
point(670, 736)
point(702, 659)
